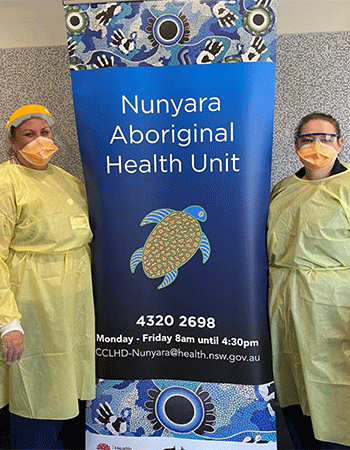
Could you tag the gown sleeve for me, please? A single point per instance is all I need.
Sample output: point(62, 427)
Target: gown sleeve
point(8, 306)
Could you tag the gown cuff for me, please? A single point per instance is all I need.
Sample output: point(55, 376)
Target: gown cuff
point(11, 326)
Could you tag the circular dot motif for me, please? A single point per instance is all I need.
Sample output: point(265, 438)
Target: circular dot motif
point(76, 20)
point(168, 29)
point(179, 409)
point(258, 20)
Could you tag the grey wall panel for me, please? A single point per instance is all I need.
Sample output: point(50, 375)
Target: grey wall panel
point(40, 75)
point(312, 75)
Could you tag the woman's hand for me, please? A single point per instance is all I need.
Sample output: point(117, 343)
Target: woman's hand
point(12, 345)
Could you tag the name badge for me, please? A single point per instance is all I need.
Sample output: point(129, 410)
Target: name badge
point(79, 222)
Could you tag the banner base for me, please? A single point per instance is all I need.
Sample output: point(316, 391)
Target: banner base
point(100, 442)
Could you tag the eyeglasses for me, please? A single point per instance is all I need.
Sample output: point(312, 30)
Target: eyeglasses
point(311, 138)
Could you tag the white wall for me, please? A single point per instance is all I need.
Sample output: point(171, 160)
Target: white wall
point(40, 23)
point(31, 23)
point(313, 16)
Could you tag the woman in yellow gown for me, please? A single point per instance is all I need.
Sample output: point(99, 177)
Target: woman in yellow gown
point(309, 293)
point(46, 302)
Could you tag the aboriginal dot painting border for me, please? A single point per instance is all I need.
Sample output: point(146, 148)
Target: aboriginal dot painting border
point(162, 33)
point(209, 411)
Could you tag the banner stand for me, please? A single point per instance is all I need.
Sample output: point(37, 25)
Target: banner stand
point(174, 107)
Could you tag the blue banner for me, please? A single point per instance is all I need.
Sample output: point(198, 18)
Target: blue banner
point(177, 167)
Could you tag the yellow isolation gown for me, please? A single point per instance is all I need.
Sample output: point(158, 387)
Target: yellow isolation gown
point(309, 299)
point(45, 279)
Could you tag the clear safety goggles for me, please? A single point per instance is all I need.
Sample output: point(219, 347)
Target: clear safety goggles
point(322, 138)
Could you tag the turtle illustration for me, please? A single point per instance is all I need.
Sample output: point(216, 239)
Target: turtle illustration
point(172, 242)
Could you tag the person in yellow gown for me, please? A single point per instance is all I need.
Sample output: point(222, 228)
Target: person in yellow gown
point(309, 292)
point(46, 300)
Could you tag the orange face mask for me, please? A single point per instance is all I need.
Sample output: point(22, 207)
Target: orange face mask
point(317, 156)
point(39, 152)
